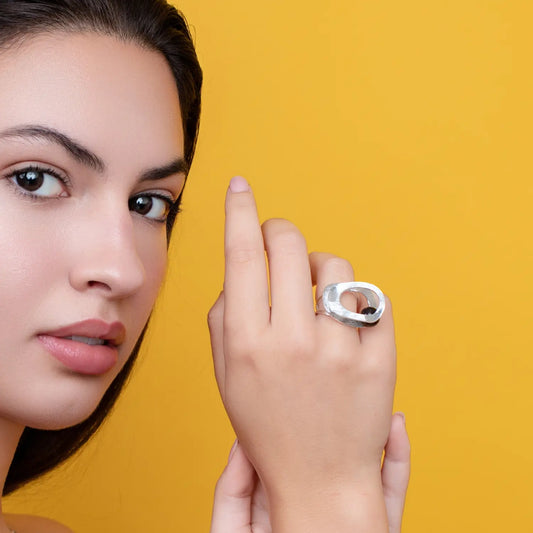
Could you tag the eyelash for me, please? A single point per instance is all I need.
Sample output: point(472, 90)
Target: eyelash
point(44, 170)
point(65, 180)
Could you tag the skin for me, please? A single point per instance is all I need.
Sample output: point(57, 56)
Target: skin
point(80, 252)
point(241, 504)
point(310, 399)
point(83, 254)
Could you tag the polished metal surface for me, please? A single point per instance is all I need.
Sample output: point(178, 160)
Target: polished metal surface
point(330, 303)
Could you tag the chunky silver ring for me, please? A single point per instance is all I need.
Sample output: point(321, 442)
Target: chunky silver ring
point(330, 304)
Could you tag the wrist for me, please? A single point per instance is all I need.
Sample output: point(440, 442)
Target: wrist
point(357, 508)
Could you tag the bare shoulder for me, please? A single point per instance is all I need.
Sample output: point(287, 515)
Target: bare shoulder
point(24, 523)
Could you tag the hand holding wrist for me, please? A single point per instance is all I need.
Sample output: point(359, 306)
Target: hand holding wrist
point(359, 508)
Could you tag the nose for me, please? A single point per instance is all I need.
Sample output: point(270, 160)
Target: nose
point(106, 256)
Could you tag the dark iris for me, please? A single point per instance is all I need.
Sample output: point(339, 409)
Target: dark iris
point(141, 204)
point(30, 180)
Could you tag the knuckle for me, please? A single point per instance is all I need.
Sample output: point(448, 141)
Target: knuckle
point(216, 312)
point(378, 369)
point(241, 342)
point(301, 347)
point(213, 316)
point(337, 356)
point(241, 356)
point(220, 487)
point(343, 362)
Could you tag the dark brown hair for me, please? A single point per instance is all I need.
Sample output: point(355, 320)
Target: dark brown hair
point(150, 23)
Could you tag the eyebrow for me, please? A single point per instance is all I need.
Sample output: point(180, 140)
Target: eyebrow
point(84, 156)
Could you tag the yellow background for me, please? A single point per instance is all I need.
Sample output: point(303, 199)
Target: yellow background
point(395, 134)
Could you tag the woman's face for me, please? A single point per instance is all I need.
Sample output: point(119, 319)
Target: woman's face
point(85, 122)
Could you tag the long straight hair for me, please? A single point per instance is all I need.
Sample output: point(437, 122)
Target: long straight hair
point(153, 24)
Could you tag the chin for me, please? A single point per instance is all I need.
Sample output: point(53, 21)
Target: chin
point(70, 416)
point(54, 409)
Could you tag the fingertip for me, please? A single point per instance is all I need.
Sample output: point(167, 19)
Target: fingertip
point(397, 421)
point(238, 478)
point(238, 184)
point(398, 444)
point(238, 194)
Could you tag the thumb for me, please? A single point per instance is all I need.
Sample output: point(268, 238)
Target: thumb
point(395, 471)
point(233, 493)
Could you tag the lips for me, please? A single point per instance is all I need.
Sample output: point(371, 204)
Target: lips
point(114, 333)
point(80, 356)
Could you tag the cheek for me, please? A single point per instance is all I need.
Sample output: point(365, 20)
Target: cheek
point(27, 258)
point(155, 259)
point(153, 256)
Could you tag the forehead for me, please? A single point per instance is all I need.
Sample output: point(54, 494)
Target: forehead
point(116, 96)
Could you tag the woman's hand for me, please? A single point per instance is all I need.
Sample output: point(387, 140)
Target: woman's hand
point(395, 472)
point(241, 506)
point(310, 399)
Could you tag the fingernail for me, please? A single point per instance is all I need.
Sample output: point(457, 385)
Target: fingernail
point(233, 448)
point(403, 417)
point(238, 184)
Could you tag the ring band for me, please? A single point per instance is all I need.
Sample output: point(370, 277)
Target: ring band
point(330, 304)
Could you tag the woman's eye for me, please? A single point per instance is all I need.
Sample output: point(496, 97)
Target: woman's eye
point(150, 206)
point(38, 182)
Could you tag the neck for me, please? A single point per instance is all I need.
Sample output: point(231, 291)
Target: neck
point(10, 433)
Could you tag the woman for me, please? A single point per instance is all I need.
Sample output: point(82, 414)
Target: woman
point(100, 105)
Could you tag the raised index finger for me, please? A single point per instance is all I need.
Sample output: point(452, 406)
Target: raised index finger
point(245, 281)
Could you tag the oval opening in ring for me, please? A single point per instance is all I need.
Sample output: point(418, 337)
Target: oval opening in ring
point(332, 301)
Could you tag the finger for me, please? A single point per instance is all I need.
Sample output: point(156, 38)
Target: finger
point(291, 290)
point(215, 322)
point(260, 510)
point(326, 269)
point(379, 340)
point(395, 471)
point(233, 494)
point(385, 324)
point(245, 281)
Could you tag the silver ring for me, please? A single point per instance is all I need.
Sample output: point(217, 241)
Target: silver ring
point(330, 304)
